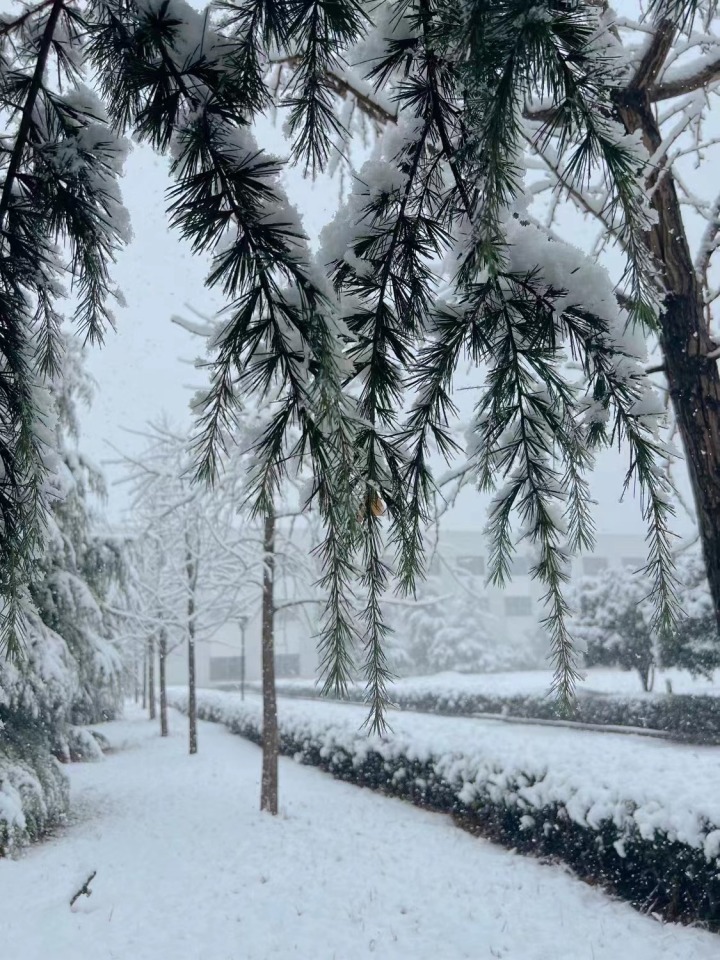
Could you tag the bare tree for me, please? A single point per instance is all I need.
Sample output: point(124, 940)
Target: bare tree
point(191, 560)
point(289, 560)
point(162, 658)
point(270, 746)
point(191, 571)
point(152, 708)
point(144, 680)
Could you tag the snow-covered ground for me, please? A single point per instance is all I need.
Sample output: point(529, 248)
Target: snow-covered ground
point(538, 683)
point(187, 869)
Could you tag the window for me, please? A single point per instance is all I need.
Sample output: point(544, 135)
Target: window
point(518, 606)
point(520, 566)
point(634, 563)
point(474, 565)
point(594, 565)
point(225, 668)
point(287, 664)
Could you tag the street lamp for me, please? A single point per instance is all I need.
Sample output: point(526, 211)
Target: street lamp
point(242, 621)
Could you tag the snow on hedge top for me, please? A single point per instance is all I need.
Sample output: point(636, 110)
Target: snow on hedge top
point(653, 786)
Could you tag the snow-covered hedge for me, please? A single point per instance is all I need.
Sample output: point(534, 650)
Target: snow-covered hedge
point(664, 859)
point(687, 717)
point(33, 794)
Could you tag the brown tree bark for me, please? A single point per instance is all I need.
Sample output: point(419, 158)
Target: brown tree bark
point(162, 651)
point(269, 782)
point(152, 709)
point(693, 380)
point(191, 571)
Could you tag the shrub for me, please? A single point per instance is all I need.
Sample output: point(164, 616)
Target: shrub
point(688, 717)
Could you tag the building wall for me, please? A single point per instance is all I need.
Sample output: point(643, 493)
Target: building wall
point(511, 612)
point(517, 607)
point(218, 658)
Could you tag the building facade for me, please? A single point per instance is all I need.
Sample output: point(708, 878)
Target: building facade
point(512, 611)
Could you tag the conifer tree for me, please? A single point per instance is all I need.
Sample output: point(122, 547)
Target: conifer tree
point(70, 672)
point(61, 221)
point(79, 566)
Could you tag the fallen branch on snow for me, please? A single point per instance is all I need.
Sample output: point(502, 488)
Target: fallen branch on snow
point(84, 889)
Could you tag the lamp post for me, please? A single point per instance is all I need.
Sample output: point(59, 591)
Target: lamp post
point(242, 621)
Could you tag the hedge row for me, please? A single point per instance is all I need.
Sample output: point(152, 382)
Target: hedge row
point(34, 794)
point(651, 868)
point(686, 717)
point(34, 790)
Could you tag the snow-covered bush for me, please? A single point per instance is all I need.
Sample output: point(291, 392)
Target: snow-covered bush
point(450, 630)
point(664, 858)
point(33, 789)
point(688, 717)
point(615, 619)
point(694, 645)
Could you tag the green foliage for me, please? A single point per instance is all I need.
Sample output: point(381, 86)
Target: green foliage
point(60, 218)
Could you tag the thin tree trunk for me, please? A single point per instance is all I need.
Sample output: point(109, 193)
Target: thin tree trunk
point(191, 570)
point(693, 379)
point(269, 783)
point(151, 678)
point(163, 682)
point(136, 680)
point(144, 678)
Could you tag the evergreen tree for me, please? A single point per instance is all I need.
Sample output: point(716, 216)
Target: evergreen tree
point(614, 619)
point(60, 220)
point(355, 351)
point(70, 672)
point(78, 567)
point(451, 630)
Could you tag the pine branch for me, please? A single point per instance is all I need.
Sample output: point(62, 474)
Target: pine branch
point(344, 87)
point(26, 118)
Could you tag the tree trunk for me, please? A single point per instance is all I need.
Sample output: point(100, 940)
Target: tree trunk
point(144, 678)
point(269, 783)
point(151, 677)
point(647, 676)
point(163, 683)
point(693, 380)
point(191, 570)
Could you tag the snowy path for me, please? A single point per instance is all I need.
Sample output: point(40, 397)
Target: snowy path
point(189, 870)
